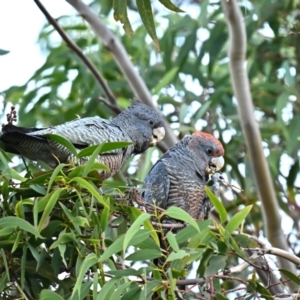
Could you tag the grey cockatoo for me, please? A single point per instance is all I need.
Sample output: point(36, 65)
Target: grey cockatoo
point(139, 124)
point(179, 176)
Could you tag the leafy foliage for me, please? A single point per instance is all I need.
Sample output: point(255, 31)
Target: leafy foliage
point(62, 237)
point(61, 232)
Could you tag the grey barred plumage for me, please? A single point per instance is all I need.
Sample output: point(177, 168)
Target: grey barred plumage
point(139, 124)
point(179, 176)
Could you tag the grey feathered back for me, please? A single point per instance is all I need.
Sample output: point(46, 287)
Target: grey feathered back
point(179, 176)
point(135, 124)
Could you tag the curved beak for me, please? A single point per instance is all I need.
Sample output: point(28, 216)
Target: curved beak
point(157, 135)
point(216, 164)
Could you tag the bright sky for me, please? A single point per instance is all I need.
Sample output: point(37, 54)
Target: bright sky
point(20, 23)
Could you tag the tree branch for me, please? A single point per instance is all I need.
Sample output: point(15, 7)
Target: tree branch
point(101, 81)
point(240, 82)
point(277, 252)
point(122, 59)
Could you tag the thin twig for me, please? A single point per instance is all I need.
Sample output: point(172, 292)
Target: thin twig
point(112, 106)
point(277, 252)
point(101, 81)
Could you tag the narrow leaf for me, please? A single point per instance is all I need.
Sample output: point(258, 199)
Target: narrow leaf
point(168, 4)
point(3, 52)
point(53, 176)
point(89, 261)
point(180, 214)
point(16, 242)
point(119, 291)
point(114, 248)
point(48, 209)
point(83, 183)
point(111, 146)
point(108, 288)
point(237, 219)
point(135, 227)
point(63, 141)
point(167, 78)
point(47, 295)
point(172, 241)
point(12, 174)
point(15, 222)
point(3, 157)
point(290, 275)
point(141, 255)
point(264, 292)
point(106, 147)
point(145, 11)
point(5, 264)
point(91, 160)
point(217, 204)
point(120, 14)
point(178, 255)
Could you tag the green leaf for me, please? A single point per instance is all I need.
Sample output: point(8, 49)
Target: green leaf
point(238, 218)
point(89, 261)
point(48, 209)
point(177, 255)
point(63, 141)
point(88, 151)
point(23, 266)
point(216, 263)
point(134, 228)
point(231, 241)
point(63, 238)
point(167, 78)
point(53, 176)
point(141, 255)
point(172, 241)
point(264, 292)
point(117, 245)
point(85, 184)
point(4, 52)
point(108, 288)
point(217, 204)
point(12, 174)
point(106, 147)
point(168, 4)
point(119, 291)
point(91, 160)
point(290, 275)
point(3, 282)
point(39, 189)
point(3, 157)
point(135, 212)
point(105, 214)
point(16, 242)
point(4, 261)
point(14, 222)
point(149, 289)
point(111, 146)
point(120, 14)
point(50, 295)
point(128, 272)
point(6, 231)
point(180, 214)
point(202, 110)
point(114, 248)
point(145, 11)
